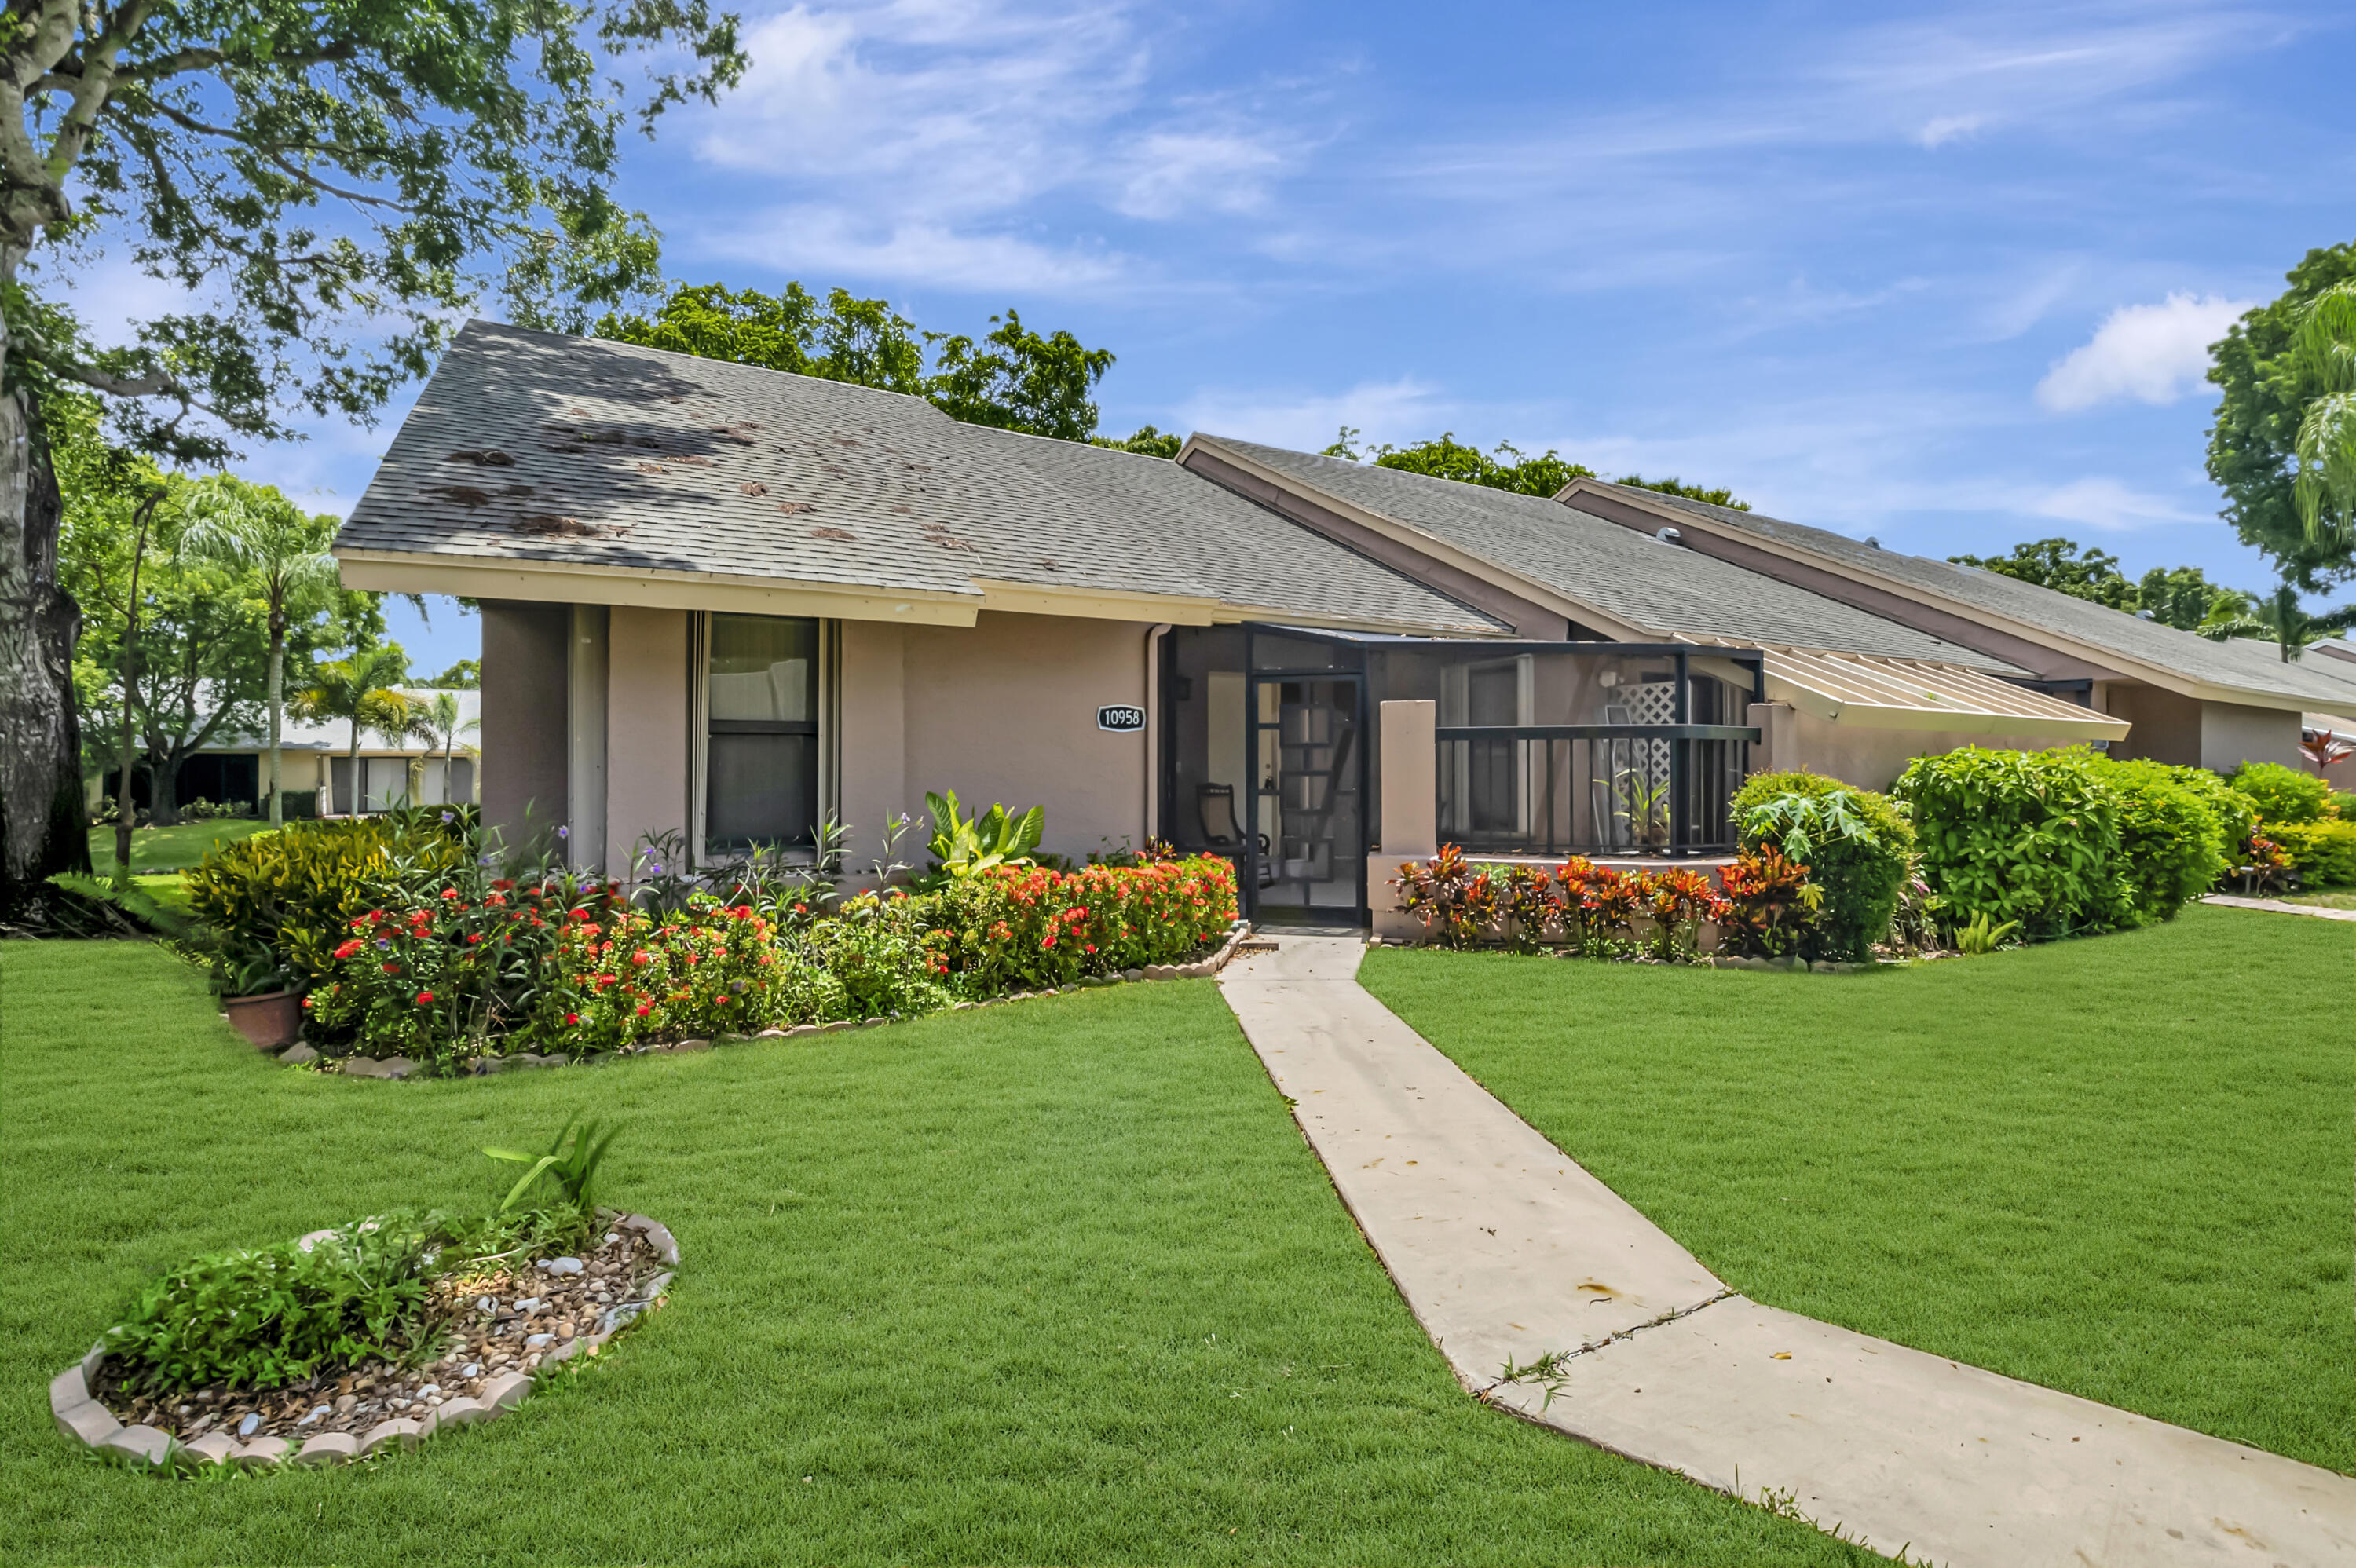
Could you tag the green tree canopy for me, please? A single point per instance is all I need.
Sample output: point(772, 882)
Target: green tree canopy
point(2268, 391)
point(2061, 564)
point(1012, 378)
point(1505, 467)
point(329, 187)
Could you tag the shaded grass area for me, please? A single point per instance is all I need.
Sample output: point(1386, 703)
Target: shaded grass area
point(1053, 1283)
point(2329, 898)
point(2117, 1166)
point(175, 849)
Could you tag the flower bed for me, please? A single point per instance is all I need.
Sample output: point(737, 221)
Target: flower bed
point(444, 960)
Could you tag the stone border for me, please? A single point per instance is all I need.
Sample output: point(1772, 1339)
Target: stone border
point(1238, 939)
point(81, 1417)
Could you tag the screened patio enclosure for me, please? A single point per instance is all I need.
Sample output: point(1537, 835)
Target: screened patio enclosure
point(1271, 739)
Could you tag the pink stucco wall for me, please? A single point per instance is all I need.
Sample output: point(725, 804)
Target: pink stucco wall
point(1005, 711)
point(649, 738)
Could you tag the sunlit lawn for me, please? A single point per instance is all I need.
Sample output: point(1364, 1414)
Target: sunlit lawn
point(1056, 1283)
point(2118, 1165)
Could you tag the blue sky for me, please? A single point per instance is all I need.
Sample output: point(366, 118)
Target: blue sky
point(1942, 275)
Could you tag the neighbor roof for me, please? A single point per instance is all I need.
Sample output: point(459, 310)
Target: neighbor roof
point(2240, 665)
point(1622, 574)
point(577, 455)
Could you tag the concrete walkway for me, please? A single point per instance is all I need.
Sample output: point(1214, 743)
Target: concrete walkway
point(1506, 1248)
point(2277, 906)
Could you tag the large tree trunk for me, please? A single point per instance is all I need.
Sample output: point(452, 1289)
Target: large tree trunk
point(43, 825)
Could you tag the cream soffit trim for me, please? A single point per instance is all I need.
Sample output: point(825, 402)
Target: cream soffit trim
point(2045, 636)
point(1907, 694)
point(489, 578)
point(1096, 603)
point(1441, 550)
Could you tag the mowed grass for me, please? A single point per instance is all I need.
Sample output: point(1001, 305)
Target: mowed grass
point(2118, 1167)
point(173, 848)
point(1056, 1283)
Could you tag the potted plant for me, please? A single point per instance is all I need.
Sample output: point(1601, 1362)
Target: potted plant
point(255, 999)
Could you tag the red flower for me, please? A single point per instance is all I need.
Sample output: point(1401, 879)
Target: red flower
point(645, 1007)
point(573, 1018)
point(349, 948)
point(424, 998)
point(393, 968)
point(449, 892)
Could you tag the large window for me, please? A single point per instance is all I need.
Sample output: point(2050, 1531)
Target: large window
point(761, 762)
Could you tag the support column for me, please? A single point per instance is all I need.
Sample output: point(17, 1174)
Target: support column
point(1410, 819)
point(589, 662)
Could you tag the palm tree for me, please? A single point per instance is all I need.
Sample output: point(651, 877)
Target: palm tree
point(439, 723)
point(2324, 355)
point(2277, 616)
point(361, 689)
point(254, 530)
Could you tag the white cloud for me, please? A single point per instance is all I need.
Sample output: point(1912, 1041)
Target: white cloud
point(2100, 503)
point(2155, 353)
point(828, 239)
point(1947, 128)
point(1168, 173)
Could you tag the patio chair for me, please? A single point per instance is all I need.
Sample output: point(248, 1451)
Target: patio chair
point(1215, 808)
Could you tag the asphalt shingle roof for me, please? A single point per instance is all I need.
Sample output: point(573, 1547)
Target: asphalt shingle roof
point(536, 447)
point(2238, 662)
point(1630, 576)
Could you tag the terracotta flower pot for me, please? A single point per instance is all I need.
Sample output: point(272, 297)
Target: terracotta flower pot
point(267, 1022)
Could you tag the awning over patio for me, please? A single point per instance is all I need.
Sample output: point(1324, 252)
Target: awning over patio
point(1907, 694)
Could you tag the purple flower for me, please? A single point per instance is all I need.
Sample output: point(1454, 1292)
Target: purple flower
point(447, 817)
point(655, 870)
point(565, 833)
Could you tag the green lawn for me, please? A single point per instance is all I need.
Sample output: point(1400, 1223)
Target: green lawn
point(2329, 898)
point(2118, 1167)
point(1053, 1282)
point(169, 848)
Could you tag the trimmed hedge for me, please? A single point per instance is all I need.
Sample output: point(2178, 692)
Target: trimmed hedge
point(1860, 872)
point(2172, 843)
point(2322, 853)
point(2032, 837)
point(2283, 794)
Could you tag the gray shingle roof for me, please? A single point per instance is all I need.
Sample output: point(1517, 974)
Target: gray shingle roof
point(2245, 663)
point(1625, 574)
point(532, 446)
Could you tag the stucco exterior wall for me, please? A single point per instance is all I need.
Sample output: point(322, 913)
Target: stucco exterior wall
point(2166, 727)
point(871, 736)
point(523, 740)
point(2231, 735)
point(1867, 757)
point(649, 738)
point(1006, 711)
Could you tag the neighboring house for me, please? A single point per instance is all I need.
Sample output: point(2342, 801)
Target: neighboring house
point(316, 758)
point(729, 603)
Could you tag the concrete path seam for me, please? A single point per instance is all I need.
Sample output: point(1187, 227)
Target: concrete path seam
point(1505, 1249)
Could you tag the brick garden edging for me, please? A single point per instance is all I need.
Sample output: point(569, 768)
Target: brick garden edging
point(80, 1416)
point(400, 1067)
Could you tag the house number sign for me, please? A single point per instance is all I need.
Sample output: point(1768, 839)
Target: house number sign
point(1122, 717)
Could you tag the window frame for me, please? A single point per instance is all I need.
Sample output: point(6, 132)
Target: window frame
point(700, 754)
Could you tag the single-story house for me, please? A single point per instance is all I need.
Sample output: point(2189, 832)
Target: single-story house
point(728, 604)
point(315, 767)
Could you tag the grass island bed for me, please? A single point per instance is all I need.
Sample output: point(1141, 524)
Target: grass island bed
point(1053, 1283)
point(2117, 1166)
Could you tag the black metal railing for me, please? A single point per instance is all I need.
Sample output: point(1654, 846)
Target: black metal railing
point(1590, 789)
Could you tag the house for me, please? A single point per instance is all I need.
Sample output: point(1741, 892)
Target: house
point(315, 767)
point(729, 604)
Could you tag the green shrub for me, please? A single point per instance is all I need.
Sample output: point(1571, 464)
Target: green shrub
point(2032, 837)
point(2343, 807)
point(2237, 814)
point(286, 899)
point(276, 1314)
point(2283, 794)
point(2173, 846)
point(2322, 853)
point(1855, 843)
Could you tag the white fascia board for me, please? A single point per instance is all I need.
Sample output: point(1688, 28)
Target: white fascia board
point(389, 572)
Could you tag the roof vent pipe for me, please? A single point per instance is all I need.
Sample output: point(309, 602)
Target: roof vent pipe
point(1669, 536)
